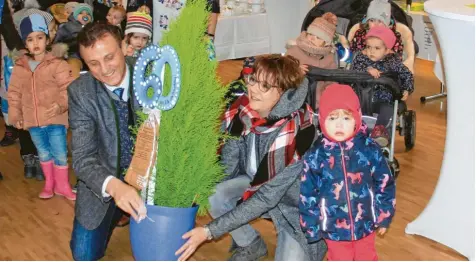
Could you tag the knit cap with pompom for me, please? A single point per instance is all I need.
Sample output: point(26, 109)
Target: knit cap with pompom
point(324, 27)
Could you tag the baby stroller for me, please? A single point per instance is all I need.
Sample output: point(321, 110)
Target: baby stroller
point(403, 121)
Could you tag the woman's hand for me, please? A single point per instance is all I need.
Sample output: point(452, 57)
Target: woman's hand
point(382, 231)
point(405, 95)
point(374, 72)
point(195, 238)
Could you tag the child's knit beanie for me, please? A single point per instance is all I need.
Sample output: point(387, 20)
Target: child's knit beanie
point(337, 96)
point(18, 17)
point(32, 23)
point(83, 7)
point(30, 7)
point(379, 10)
point(72, 5)
point(138, 22)
point(324, 27)
point(383, 33)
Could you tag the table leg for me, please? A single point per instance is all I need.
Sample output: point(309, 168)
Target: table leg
point(442, 93)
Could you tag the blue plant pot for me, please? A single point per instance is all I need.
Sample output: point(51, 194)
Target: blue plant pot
point(159, 240)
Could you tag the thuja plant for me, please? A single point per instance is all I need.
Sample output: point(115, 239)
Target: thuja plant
point(187, 167)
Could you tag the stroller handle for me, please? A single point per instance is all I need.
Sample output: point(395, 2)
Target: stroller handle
point(388, 80)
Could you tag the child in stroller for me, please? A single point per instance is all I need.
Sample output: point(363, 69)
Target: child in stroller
point(353, 20)
point(315, 46)
point(378, 57)
point(378, 14)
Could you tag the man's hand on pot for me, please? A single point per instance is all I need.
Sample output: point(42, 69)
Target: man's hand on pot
point(195, 238)
point(125, 196)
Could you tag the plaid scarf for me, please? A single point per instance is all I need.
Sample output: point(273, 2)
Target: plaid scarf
point(283, 149)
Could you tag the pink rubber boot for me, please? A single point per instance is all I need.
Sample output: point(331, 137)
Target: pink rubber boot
point(62, 186)
point(47, 191)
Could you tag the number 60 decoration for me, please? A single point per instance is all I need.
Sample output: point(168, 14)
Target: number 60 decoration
point(160, 56)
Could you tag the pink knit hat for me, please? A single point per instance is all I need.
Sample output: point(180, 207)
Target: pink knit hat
point(324, 27)
point(383, 33)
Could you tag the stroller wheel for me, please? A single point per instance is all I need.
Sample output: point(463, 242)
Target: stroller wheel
point(409, 129)
point(394, 167)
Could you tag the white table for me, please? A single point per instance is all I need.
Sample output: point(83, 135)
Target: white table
point(449, 216)
point(285, 20)
point(257, 34)
point(242, 36)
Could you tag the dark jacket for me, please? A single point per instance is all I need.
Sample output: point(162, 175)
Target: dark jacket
point(95, 144)
point(68, 34)
point(7, 29)
point(100, 11)
point(278, 197)
point(347, 190)
point(390, 63)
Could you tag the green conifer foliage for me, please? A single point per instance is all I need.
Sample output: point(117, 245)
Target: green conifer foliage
point(187, 161)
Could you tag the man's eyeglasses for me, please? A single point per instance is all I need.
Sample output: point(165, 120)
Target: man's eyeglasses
point(263, 86)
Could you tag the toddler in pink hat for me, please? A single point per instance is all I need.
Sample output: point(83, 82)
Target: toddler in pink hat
point(376, 58)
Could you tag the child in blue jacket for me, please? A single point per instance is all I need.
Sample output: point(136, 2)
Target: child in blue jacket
point(347, 189)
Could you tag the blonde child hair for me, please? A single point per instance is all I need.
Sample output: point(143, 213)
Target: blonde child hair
point(112, 19)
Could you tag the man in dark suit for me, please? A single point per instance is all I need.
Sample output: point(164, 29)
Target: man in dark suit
point(101, 109)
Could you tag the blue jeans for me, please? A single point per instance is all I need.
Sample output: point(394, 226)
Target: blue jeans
point(224, 200)
point(50, 141)
point(90, 245)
